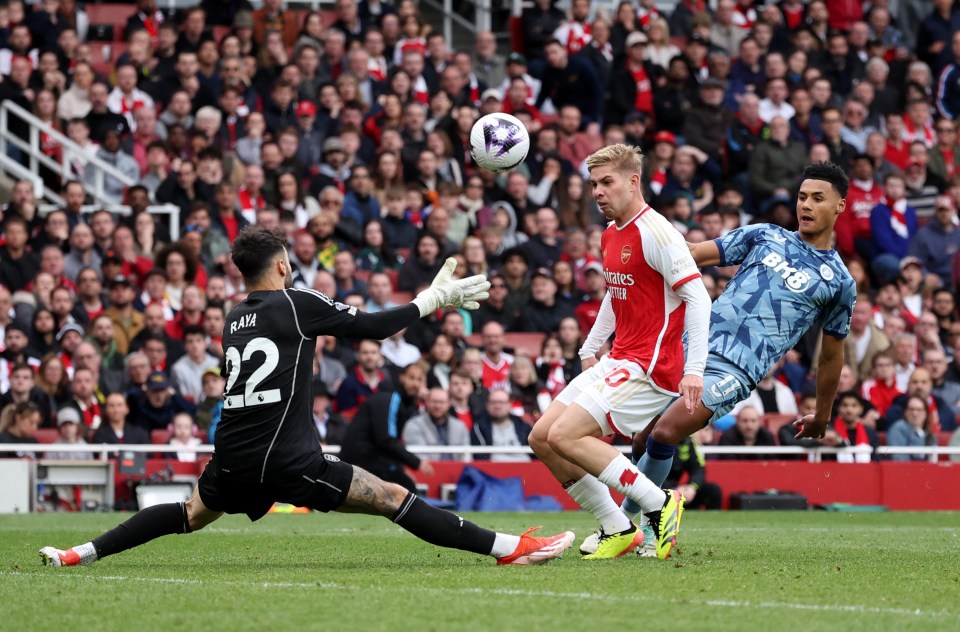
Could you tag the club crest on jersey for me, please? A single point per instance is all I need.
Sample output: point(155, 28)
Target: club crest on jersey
point(795, 279)
point(625, 253)
point(826, 272)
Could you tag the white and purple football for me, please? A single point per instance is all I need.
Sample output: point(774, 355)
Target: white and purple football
point(499, 142)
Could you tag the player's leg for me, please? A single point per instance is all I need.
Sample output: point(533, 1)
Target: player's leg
point(592, 495)
point(142, 527)
point(576, 436)
point(370, 495)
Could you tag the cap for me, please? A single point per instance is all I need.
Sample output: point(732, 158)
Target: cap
point(713, 82)
point(910, 261)
point(111, 256)
point(306, 108)
point(214, 370)
point(68, 328)
point(636, 37)
point(243, 20)
point(634, 116)
point(119, 280)
point(491, 93)
point(593, 266)
point(516, 58)
point(157, 381)
point(665, 137)
point(332, 144)
point(542, 272)
point(68, 415)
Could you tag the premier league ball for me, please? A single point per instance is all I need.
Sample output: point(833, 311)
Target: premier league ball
point(499, 142)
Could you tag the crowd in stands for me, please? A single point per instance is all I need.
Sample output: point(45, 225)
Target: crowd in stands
point(349, 128)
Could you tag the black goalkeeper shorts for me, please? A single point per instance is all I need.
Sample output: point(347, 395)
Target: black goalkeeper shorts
point(321, 485)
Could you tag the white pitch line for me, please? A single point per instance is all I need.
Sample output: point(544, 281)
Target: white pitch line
point(512, 592)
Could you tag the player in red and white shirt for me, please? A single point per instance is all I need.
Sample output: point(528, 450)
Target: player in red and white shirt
point(654, 293)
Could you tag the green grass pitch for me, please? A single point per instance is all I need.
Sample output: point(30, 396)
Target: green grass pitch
point(735, 571)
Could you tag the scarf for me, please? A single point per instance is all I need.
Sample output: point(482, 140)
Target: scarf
point(556, 382)
point(898, 216)
point(861, 438)
point(933, 415)
point(924, 134)
point(658, 180)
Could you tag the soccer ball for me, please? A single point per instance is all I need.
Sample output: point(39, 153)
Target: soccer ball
point(499, 142)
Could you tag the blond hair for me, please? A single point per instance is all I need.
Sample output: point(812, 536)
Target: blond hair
point(624, 158)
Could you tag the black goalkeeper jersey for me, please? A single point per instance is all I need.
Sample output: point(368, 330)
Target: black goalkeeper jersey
point(269, 341)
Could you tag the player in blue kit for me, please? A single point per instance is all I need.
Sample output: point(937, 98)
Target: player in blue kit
point(787, 283)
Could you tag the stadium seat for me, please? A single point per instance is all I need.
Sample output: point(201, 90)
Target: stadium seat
point(219, 32)
point(394, 276)
point(112, 14)
point(515, 26)
point(401, 298)
point(160, 437)
point(103, 66)
point(362, 275)
point(525, 343)
point(774, 421)
point(47, 435)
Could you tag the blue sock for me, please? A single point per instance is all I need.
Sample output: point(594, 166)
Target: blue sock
point(655, 464)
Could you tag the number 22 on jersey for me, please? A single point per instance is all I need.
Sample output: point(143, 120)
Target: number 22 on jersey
point(251, 396)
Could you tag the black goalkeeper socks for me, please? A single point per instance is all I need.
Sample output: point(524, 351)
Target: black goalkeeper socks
point(146, 525)
point(442, 528)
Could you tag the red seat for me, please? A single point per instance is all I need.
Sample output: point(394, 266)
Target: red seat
point(474, 340)
point(105, 65)
point(401, 298)
point(525, 343)
point(160, 437)
point(112, 14)
point(515, 27)
point(394, 276)
point(47, 435)
point(774, 421)
point(362, 275)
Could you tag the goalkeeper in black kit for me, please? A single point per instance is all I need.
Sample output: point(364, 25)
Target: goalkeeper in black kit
point(266, 444)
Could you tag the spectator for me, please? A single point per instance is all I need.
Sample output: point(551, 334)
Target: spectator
point(571, 81)
point(853, 225)
point(893, 224)
point(372, 440)
point(771, 395)
point(528, 395)
point(366, 378)
point(116, 429)
point(184, 436)
point(748, 431)
point(24, 419)
point(398, 351)
point(210, 406)
point(23, 389)
point(423, 264)
point(496, 426)
point(912, 430)
point(187, 372)
point(159, 404)
point(880, 389)
point(776, 162)
point(852, 431)
point(706, 123)
point(937, 242)
point(128, 322)
point(436, 427)
point(942, 416)
point(544, 312)
point(935, 362)
point(866, 339)
point(68, 426)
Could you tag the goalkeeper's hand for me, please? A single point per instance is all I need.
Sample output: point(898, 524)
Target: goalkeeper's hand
point(445, 291)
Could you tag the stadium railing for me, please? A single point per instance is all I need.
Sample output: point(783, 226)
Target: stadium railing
point(814, 455)
point(27, 166)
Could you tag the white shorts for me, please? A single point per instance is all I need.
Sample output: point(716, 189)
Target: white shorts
point(618, 394)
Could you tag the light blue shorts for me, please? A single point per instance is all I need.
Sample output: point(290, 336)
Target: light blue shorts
point(724, 386)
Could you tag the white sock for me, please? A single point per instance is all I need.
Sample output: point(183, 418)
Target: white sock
point(623, 476)
point(87, 553)
point(595, 498)
point(504, 544)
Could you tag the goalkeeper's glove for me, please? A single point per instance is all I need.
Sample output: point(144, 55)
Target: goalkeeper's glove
point(445, 291)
